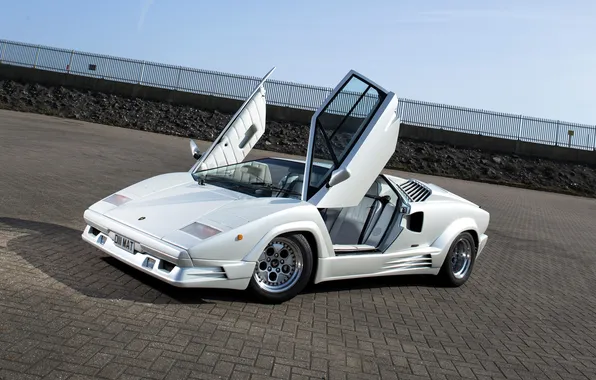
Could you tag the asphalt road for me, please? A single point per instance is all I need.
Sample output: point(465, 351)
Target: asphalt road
point(68, 311)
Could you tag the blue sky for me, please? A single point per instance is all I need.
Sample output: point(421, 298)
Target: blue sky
point(530, 57)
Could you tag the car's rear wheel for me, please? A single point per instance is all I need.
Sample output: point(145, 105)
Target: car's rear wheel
point(282, 270)
point(459, 261)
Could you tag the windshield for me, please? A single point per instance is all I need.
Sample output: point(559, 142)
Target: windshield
point(266, 177)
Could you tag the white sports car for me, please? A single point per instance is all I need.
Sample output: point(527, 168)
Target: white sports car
point(272, 225)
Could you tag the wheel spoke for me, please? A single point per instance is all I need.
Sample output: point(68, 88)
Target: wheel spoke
point(279, 266)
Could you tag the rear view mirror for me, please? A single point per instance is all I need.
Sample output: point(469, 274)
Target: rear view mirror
point(338, 176)
point(194, 149)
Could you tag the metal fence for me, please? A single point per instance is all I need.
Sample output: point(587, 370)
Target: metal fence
point(294, 95)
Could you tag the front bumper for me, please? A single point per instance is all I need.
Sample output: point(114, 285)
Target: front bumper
point(164, 261)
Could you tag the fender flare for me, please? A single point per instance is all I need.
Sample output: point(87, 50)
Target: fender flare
point(448, 236)
point(323, 242)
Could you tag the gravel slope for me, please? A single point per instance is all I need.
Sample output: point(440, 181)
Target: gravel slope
point(411, 156)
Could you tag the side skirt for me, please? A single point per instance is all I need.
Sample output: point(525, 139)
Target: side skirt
point(425, 260)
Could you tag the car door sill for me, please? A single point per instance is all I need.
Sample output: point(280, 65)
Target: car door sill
point(354, 249)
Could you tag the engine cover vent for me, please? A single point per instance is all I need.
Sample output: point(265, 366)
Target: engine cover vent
point(415, 190)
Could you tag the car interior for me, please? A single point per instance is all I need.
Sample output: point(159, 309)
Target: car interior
point(366, 223)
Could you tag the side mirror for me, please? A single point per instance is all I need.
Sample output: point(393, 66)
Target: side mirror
point(338, 176)
point(194, 149)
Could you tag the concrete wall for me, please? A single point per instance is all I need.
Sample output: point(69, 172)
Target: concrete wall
point(212, 103)
point(498, 145)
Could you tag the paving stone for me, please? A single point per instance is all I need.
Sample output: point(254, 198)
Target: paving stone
point(69, 311)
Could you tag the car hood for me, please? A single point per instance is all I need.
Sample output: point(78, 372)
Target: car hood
point(165, 204)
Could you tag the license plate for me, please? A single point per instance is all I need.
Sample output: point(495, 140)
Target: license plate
point(124, 243)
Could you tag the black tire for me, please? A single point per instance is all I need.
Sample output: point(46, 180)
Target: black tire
point(297, 250)
point(449, 275)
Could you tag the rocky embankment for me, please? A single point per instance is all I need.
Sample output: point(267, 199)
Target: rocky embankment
point(411, 156)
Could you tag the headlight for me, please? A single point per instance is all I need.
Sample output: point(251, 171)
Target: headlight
point(200, 230)
point(117, 199)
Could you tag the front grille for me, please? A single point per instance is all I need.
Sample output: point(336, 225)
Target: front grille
point(415, 190)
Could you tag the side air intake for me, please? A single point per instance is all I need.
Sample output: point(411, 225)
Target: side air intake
point(416, 191)
point(410, 262)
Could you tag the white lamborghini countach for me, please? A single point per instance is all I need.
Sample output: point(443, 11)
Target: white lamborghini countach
point(270, 226)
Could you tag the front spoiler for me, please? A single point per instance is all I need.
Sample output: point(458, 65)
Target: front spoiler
point(163, 261)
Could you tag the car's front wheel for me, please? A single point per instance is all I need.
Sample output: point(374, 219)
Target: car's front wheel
point(459, 261)
point(282, 270)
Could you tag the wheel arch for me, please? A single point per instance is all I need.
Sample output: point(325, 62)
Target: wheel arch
point(474, 234)
point(449, 234)
point(314, 246)
point(318, 242)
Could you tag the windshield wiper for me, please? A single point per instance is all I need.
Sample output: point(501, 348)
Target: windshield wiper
point(267, 185)
point(273, 187)
point(213, 179)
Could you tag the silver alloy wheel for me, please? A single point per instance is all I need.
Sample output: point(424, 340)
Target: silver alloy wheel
point(462, 258)
point(279, 267)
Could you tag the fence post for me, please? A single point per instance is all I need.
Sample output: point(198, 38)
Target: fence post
point(2, 51)
point(36, 56)
point(519, 128)
point(69, 61)
point(557, 136)
point(142, 72)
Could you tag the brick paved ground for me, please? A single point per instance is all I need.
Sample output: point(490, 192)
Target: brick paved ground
point(67, 311)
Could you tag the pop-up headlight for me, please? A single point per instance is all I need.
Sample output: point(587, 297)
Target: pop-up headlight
point(200, 230)
point(117, 199)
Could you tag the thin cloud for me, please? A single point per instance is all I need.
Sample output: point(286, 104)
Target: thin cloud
point(145, 5)
point(488, 13)
point(455, 15)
